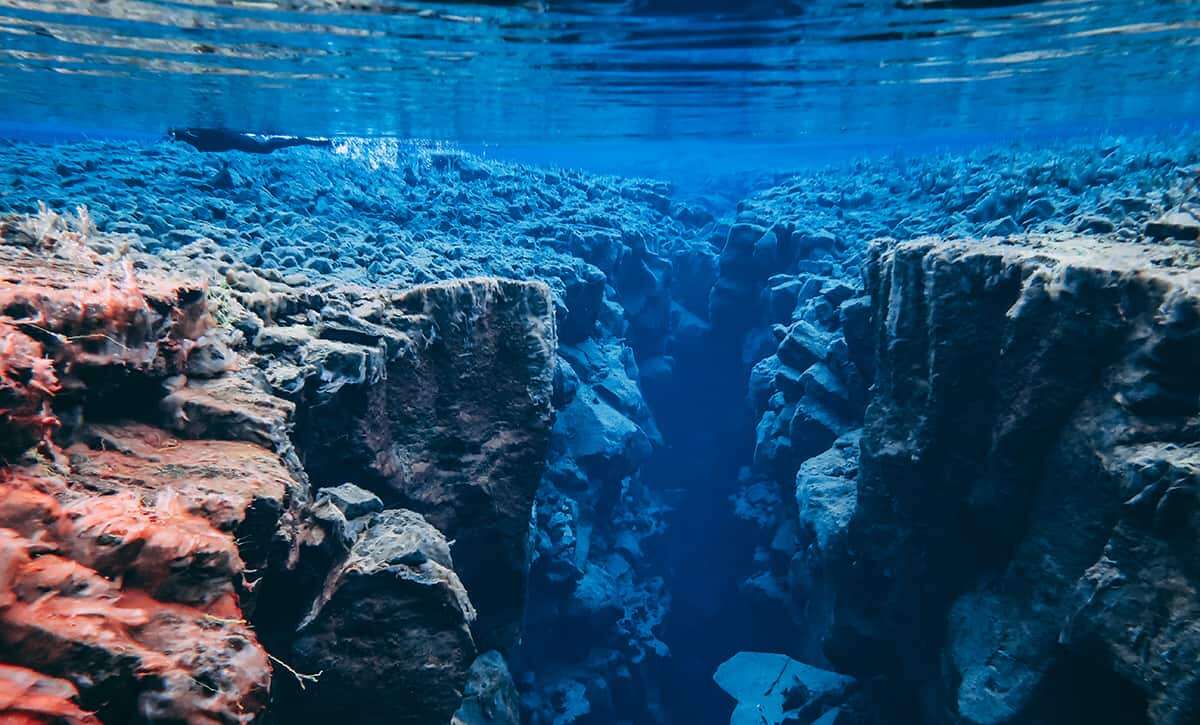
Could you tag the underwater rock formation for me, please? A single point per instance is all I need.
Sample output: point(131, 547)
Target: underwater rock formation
point(390, 632)
point(626, 264)
point(1021, 540)
point(155, 512)
point(815, 230)
point(696, 432)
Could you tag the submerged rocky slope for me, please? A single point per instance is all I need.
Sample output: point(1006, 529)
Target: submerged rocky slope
point(428, 353)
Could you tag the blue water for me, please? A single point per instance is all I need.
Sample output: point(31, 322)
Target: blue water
point(788, 78)
point(845, 119)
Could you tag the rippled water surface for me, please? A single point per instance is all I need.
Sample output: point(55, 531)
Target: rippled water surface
point(561, 71)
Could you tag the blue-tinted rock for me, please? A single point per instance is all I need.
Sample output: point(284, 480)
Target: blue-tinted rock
point(773, 689)
point(351, 500)
point(490, 697)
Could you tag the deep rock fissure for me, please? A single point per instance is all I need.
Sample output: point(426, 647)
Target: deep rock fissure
point(809, 464)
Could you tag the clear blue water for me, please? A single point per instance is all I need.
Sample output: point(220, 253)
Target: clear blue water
point(727, 83)
point(1094, 105)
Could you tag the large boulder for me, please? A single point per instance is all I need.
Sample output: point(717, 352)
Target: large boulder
point(390, 633)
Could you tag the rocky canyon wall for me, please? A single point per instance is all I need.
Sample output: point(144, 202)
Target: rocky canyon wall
point(445, 484)
point(1021, 538)
point(961, 440)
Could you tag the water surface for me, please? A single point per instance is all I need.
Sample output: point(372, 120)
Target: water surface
point(794, 74)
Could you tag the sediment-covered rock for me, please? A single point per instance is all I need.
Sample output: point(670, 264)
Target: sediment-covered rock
point(1020, 543)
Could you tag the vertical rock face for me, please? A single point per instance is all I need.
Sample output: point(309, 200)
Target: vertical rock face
point(452, 421)
point(1023, 545)
point(125, 549)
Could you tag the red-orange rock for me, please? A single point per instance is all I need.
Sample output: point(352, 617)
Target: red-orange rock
point(31, 698)
point(122, 551)
point(27, 382)
point(238, 488)
point(134, 656)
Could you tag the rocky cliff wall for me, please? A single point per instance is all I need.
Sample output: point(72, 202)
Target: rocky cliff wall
point(1027, 487)
point(168, 554)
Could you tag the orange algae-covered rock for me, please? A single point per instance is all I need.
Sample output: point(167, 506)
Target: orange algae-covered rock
point(31, 698)
point(94, 311)
point(122, 546)
point(62, 314)
point(233, 487)
point(133, 656)
point(27, 382)
point(168, 552)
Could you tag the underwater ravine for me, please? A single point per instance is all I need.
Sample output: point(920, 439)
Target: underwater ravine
point(599, 363)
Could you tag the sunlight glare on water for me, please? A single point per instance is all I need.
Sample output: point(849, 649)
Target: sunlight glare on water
point(557, 72)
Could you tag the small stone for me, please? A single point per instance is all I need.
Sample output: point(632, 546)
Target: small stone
point(1175, 225)
point(351, 500)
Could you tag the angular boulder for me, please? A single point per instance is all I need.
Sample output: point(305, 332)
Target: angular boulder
point(390, 633)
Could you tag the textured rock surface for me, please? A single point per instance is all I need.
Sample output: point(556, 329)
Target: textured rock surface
point(490, 695)
point(390, 632)
point(453, 422)
point(1025, 507)
point(775, 689)
point(31, 698)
